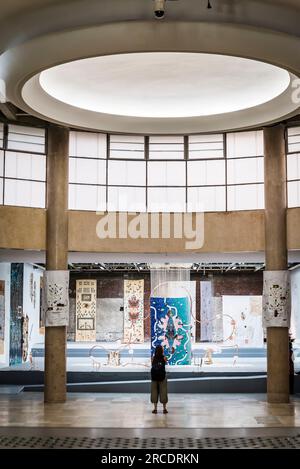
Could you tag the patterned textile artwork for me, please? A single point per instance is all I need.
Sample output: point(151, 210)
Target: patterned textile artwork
point(86, 292)
point(206, 310)
point(217, 323)
point(242, 321)
point(56, 298)
point(276, 299)
point(16, 313)
point(170, 327)
point(133, 311)
point(110, 318)
point(2, 316)
point(25, 341)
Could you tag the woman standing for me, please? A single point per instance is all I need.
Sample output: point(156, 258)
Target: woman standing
point(159, 387)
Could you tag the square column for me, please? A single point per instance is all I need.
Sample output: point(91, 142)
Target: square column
point(276, 284)
point(56, 300)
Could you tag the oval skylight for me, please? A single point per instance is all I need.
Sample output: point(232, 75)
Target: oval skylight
point(164, 85)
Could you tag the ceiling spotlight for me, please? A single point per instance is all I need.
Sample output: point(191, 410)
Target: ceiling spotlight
point(159, 9)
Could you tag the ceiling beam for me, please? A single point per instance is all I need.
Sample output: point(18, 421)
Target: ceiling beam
point(9, 111)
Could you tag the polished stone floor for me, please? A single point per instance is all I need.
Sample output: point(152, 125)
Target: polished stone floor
point(133, 411)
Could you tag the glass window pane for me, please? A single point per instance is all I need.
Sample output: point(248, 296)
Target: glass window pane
point(126, 199)
point(87, 197)
point(206, 173)
point(25, 193)
point(166, 173)
point(293, 167)
point(86, 171)
point(1, 163)
point(1, 190)
point(243, 144)
point(293, 139)
point(38, 194)
point(127, 173)
point(206, 146)
point(206, 199)
point(87, 145)
point(166, 148)
point(248, 197)
point(1, 135)
point(294, 194)
point(25, 166)
point(166, 199)
point(23, 138)
point(241, 171)
point(127, 146)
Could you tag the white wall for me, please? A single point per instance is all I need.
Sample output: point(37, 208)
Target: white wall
point(295, 290)
point(5, 275)
point(31, 308)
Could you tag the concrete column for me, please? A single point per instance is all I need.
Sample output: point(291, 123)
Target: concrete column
point(276, 256)
point(56, 255)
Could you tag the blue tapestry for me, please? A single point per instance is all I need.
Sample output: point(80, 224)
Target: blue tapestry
point(170, 327)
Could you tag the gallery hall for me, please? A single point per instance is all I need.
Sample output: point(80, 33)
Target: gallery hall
point(149, 225)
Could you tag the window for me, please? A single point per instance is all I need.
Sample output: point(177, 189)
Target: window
point(23, 167)
point(1, 175)
point(87, 145)
point(166, 148)
point(87, 171)
point(206, 199)
point(206, 173)
point(166, 199)
point(293, 167)
point(126, 199)
point(23, 138)
point(294, 139)
point(245, 144)
point(206, 146)
point(127, 173)
point(246, 197)
point(86, 197)
point(127, 146)
point(167, 173)
point(294, 194)
point(1, 135)
point(24, 193)
point(247, 170)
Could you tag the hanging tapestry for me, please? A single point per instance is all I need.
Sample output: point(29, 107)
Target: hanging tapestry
point(206, 311)
point(217, 323)
point(170, 327)
point(56, 298)
point(109, 319)
point(25, 341)
point(242, 321)
point(86, 294)
point(41, 312)
point(2, 316)
point(133, 311)
point(16, 313)
point(276, 299)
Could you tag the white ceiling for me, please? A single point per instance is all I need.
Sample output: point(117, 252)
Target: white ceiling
point(36, 35)
point(165, 84)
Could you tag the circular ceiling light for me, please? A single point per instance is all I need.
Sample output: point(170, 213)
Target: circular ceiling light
point(165, 85)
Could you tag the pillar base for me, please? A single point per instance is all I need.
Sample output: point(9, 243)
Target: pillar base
point(55, 365)
point(275, 398)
